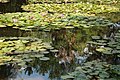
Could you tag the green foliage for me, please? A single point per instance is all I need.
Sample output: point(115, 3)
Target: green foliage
point(46, 21)
point(20, 45)
point(76, 1)
point(71, 8)
point(91, 70)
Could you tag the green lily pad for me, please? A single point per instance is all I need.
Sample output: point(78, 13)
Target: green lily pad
point(27, 60)
point(45, 52)
point(42, 50)
point(54, 50)
point(69, 27)
point(67, 77)
point(115, 69)
point(101, 49)
point(38, 55)
point(107, 52)
point(3, 26)
point(118, 56)
point(9, 24)
point(104, 75)
point(44, 58)
point(96, 37)
point(118, 47)
point(102, 41)
point(21, 64)
point(2, 40)
point(29, 27)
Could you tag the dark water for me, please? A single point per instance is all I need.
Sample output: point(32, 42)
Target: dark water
point(12, 6)
point(48, 70)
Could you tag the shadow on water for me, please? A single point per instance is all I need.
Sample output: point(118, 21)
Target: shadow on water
point(7, 72)
point(11, 32)
point(12, 6)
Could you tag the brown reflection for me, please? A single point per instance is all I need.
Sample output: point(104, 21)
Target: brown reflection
point(11, 32)
point(7, 72)
point(12, 6)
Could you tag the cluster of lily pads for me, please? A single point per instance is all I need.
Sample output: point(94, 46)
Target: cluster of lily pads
point(51, 1)
point(53, 16)
point(21, 46)
point(70, 1)
point(70, 8)
point(111, 47)
point(94, 70)
point(46, 21)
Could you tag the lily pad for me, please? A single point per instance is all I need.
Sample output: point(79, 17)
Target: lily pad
point(37, 55)
point(27, 60)
point(54, 50)
point(96, 37)
point(45, 58)
point(67, 77)
point(3, 26)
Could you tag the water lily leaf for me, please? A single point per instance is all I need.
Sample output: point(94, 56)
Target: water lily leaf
point(29, 27)
point(107, 52)
point(3, 26)
point(115, 69)
point(118, 47)
point(116, 52)
point(44, 58)
point(25, 56)
point(69, 27)
point(15, 27)
point(67, 77)
point(102, 41)
point(81, 77)
point(54, 50)
point(101, 50)
point(9, 24)
point(104, 75)
point(95, 37)
point(42, 50)
point(2, 40)
point(37, 55)
point(21, 64)
point(27, 60)
point(78, 68)
point(2, 63)
point(45, 52)
point(118, 56)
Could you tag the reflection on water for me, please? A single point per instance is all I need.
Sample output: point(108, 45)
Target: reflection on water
point(69, 39)
point(12, 6)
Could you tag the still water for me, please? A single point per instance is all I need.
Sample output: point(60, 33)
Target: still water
point(36, 69)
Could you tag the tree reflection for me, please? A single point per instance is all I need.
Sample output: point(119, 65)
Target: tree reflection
point(7, 71)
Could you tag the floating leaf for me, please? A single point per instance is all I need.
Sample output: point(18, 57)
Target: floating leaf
point(44, 58)
point(37, 55)
point(2, 26)
point(54, 50)
point(67, 77)
point(95, 37)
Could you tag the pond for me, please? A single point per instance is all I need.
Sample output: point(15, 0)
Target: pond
point(59, 40)
point(36, 69)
